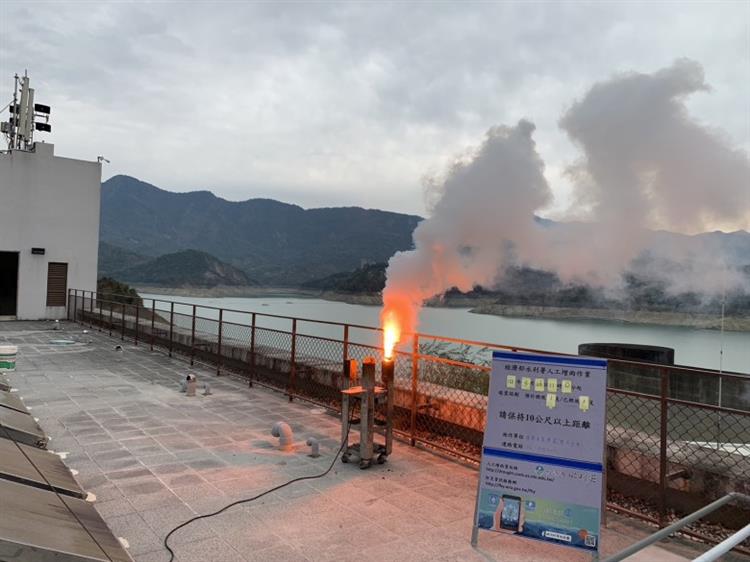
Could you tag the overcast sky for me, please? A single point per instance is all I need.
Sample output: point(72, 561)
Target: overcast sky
point(325, 104)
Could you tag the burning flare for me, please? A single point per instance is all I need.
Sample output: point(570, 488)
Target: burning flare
point(399, 317)
point(391, 332)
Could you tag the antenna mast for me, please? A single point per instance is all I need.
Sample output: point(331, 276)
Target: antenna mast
point(25, 116)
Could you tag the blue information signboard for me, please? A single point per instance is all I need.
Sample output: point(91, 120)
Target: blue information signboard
point(542, 473)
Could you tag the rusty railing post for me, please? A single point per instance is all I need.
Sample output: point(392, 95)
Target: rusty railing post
point(67, 304)
point(111, 317)
point(414, 381)
point(91, 311)
point(75, 304)
point(252, 352)
point(218, 343)
point(171, 326)
point(663, 427)
point(153, 319)
point(293, 364)
point(123, 323)
point(192, 339)
point(346, 344)
point(137, 320)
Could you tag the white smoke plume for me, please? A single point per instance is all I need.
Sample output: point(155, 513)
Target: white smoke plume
point(646, 164)
point(487, 201)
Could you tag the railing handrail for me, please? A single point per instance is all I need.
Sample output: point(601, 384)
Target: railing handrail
point(676, 526)
point(266, 314)
point(420, 335)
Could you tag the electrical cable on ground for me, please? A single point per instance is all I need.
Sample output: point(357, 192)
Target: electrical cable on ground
point(344, 443)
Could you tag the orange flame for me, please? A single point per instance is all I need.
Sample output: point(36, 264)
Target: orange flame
point(399, 317)
point(391, 332)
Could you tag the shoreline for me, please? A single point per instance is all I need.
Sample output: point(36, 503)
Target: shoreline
point(475, 306)
point(644, 318)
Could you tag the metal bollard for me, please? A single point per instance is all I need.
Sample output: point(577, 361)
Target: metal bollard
point(314, 447)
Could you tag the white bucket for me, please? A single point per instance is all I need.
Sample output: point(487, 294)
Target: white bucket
point(8, 357)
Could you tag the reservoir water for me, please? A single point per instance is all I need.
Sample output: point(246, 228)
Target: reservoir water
point(700, 348)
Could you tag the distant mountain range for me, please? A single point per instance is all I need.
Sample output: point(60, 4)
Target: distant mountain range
point(274, 243)
point(188, 268)
point(369, 279)
point(146, 230)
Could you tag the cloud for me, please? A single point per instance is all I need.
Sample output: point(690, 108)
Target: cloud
point(352, 101)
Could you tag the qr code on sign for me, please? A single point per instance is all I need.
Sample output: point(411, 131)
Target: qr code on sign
point(590, 540)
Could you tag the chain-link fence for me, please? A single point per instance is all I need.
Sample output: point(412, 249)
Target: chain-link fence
point(677, 437)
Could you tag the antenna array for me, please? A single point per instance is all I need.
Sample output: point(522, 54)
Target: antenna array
point(25, 116)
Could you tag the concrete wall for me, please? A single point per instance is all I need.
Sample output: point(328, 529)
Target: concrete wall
point(52, 203)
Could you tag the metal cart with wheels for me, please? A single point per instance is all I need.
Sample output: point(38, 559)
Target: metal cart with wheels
point(369, 396)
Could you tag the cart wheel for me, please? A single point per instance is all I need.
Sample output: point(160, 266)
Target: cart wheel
point(365, 464)
point(382, 458)
point(345, 458)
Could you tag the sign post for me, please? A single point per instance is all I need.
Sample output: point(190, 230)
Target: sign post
point(542, 471)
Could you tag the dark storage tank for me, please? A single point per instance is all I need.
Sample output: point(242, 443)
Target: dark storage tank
point(629, 352)
point(638, 378)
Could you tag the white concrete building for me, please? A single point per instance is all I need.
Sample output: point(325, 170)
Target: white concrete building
point(49, 231)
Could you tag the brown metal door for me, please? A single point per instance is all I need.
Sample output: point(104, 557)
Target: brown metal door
point(57, 283)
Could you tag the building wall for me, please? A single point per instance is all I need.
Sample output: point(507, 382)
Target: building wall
point(52, 203)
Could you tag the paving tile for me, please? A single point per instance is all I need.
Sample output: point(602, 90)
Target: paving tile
point(150, 496)
point(114, 507)
point(283, 553)
point(182, 481)
point(170, 468)
point(163, 519)
point(129, 474)
point(119, 464)
point(159, 555)
point(135, 530)
point(208, 549)
point(106, 492)
point(157, 460)
point(112, 454)
point(205, 464)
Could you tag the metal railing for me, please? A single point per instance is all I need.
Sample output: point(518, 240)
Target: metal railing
point(676, 436)
point(713, 554)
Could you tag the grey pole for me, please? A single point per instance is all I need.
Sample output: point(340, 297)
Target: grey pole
point(724, 546)
point(673, 528)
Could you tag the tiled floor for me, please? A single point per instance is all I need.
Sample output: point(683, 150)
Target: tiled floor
point(154, 458)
